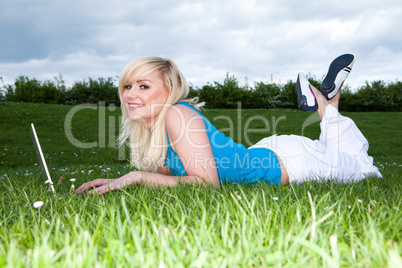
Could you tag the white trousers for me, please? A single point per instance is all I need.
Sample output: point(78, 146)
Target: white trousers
point(340, 153)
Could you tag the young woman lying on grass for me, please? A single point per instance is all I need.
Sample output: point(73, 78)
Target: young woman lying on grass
point(172, 142)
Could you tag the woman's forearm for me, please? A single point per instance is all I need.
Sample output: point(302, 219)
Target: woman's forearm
point(156, 179)
point(102, 186)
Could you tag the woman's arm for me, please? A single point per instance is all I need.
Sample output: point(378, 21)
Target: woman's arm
point(164, 170)
point(102, 186)
point(189, 139)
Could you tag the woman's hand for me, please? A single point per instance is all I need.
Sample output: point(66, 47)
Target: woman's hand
point(102, 186)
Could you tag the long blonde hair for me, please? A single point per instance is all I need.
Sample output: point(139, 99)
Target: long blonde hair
point(149, 147)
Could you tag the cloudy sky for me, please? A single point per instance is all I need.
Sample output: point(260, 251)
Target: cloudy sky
point(260, 40)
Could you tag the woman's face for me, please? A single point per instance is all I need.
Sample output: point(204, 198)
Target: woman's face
point(145, 98)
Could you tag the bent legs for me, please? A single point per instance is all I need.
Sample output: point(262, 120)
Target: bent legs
point(341, 150)
point(339, 154)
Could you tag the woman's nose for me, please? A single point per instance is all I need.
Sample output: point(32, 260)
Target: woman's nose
point(132, 93)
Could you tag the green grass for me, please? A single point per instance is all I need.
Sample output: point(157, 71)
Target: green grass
point(313, 224)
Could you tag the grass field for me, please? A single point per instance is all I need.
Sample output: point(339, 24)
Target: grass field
point(320, 224)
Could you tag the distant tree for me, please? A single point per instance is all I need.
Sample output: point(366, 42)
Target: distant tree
point(210, 95)
point(230, 93)
point(33, 90)
point(374, 96)
point(266, 95)
point(79, 93)
point(24, 90)
point(377, 96)
point(349, 100)
point(61, 88)
point(194, 91)
point(288, 96)
point(395, 91)
point(104, 90)
point(93, 91)
point(2, 90)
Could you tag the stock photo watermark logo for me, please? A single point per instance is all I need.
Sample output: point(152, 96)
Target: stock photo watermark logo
point(106, 124)
point(239, 125)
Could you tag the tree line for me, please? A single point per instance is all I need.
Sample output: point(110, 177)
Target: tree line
point(375, 96)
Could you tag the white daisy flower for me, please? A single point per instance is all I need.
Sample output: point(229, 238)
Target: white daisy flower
point(38, 204)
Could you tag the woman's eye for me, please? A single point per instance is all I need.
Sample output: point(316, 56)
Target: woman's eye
point(144, 87)
point(127, 87)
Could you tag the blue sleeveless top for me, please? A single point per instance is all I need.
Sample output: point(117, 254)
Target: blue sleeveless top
point(234, 162)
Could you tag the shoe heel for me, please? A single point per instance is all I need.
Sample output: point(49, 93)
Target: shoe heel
point(338, 71)
point(305, 96)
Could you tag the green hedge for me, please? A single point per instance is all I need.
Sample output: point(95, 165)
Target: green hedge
point(374, 96)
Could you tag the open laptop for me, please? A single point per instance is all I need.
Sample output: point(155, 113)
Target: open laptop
point(41, 158)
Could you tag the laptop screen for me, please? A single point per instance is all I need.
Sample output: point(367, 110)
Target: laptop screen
point(41, 158)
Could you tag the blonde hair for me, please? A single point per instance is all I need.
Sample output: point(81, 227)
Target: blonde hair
point(149, 147)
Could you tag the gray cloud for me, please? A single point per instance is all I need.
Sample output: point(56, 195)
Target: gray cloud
point(208, 38)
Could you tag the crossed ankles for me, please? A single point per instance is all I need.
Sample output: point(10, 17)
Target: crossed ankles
point(312, 99)
point(337, 73)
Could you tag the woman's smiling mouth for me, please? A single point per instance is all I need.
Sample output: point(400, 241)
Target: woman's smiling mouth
point(134, 105)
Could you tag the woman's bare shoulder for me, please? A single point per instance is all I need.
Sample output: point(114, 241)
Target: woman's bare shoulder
point(182, 121)
point(180, 114)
